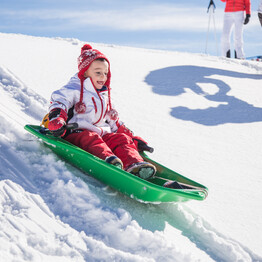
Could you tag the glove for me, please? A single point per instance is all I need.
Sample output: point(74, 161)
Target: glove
point(57, 122)
point(246, 19)
point(142, 145)
point(139, 142)
point(113, 114)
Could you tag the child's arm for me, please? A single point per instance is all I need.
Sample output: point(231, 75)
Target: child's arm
point(100, 130)
point(61, 101)
point(63, 98)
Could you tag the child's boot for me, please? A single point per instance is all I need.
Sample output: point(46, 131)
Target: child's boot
point(143, 170)
point(115, 161)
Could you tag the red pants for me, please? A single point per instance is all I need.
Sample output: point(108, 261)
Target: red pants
point(118, 144)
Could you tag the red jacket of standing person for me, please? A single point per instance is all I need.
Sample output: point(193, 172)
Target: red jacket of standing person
point(237, 5)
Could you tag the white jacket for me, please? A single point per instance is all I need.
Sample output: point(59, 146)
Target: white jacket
point(96, 117)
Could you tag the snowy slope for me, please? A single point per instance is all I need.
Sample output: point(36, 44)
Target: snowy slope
point(203, 116)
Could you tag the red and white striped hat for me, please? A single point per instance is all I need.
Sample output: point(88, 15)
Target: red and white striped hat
point(88, 55)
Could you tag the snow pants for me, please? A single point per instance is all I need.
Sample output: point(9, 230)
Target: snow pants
point(233, 19)
point(118, 144)
point(260, 18)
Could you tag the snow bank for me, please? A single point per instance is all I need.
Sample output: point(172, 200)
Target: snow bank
point(202, 115)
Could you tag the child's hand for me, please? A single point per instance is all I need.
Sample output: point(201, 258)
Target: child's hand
point(113, 114)
point(139, 142)
point(57, 122)
point(142, 145)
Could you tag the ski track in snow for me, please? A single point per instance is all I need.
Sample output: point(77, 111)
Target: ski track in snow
point(27, 241)
point(52, 189)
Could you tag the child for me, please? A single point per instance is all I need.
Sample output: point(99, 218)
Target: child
point(86, 100)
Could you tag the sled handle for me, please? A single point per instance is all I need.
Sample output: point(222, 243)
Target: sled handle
point(71, 126)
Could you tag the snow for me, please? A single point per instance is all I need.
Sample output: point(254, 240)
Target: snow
point(203, 116)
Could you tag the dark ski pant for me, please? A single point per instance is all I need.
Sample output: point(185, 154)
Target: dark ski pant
point(260, 18)
point(118, 144)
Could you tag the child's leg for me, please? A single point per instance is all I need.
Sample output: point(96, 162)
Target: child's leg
point(123, 147)
point(90, 142)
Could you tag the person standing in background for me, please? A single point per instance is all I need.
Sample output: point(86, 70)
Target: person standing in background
point(260, 12)
point(237, 13)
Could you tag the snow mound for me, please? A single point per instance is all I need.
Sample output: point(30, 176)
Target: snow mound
point(201, 114)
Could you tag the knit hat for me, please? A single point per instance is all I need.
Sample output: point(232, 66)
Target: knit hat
point(88, 55)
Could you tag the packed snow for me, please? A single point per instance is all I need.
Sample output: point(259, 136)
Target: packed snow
point(203, 116)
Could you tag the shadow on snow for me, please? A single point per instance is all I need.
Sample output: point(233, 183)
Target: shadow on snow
point(174, 81)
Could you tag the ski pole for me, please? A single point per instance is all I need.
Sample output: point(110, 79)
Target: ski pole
point(211, 4)
point(207, 31)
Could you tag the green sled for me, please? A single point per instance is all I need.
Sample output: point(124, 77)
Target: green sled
point(141, 190)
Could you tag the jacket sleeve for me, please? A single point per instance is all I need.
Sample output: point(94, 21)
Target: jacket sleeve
point(66, 97)
point(99, 130)
point(248, 7)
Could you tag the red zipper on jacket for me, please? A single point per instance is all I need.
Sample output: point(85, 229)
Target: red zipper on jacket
point(102, 107)
point(94, 102)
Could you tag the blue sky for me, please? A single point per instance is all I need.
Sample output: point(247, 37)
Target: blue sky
point(158, 24)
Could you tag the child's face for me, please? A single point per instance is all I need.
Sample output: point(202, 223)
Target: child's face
point(97, 71)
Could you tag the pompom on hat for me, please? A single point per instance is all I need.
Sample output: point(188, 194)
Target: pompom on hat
point(88, 55)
